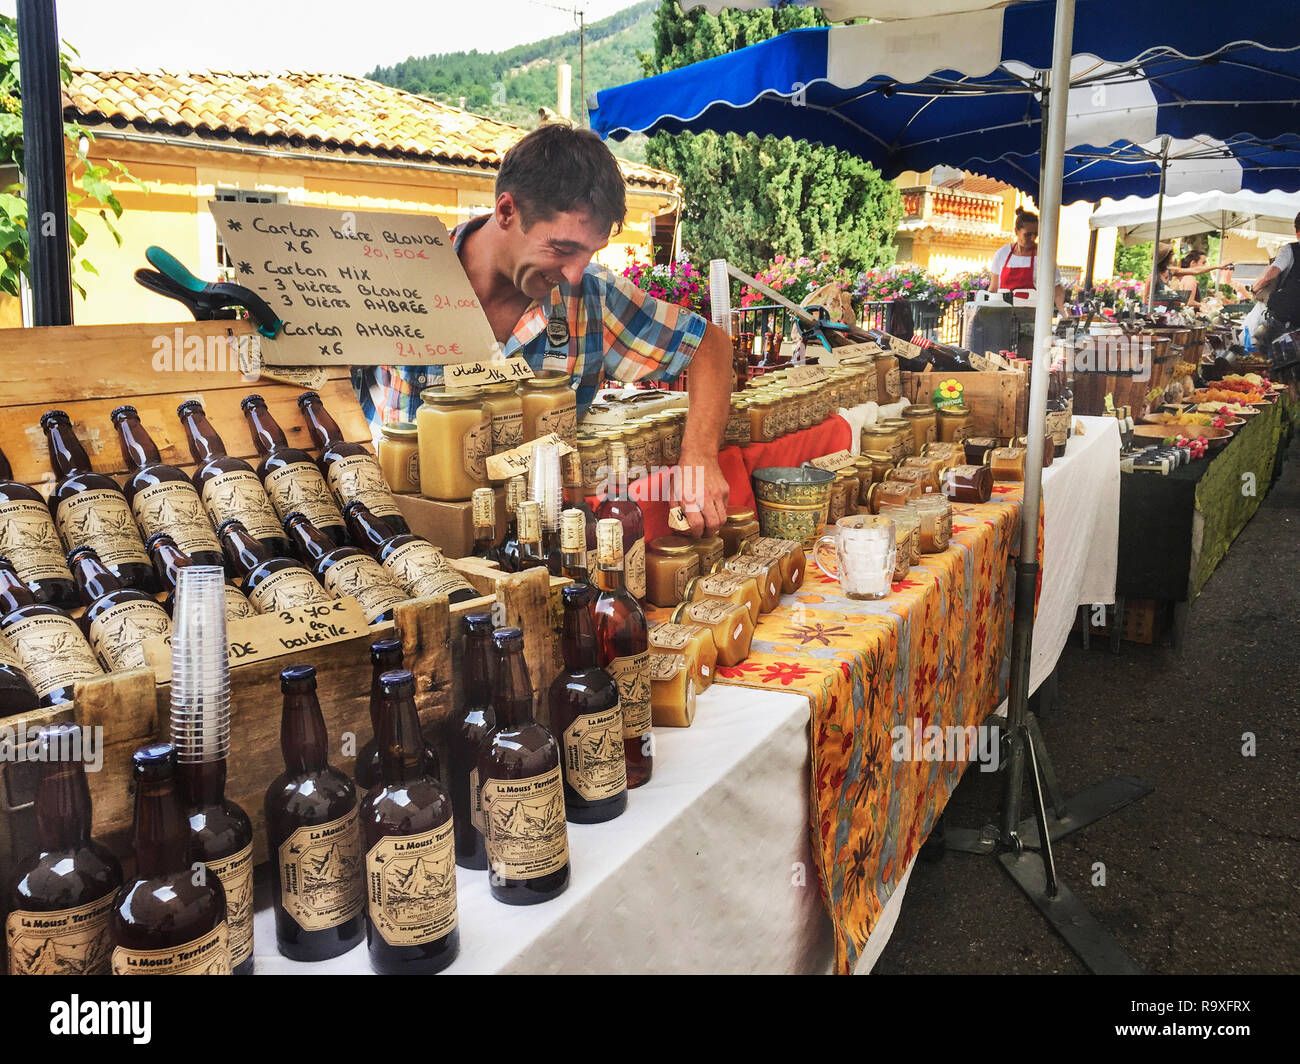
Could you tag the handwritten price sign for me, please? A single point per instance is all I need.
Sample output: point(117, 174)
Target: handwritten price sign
point(476, 374)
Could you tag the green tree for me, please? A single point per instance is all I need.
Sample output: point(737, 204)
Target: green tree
point(749, 199)
point(1134, 260)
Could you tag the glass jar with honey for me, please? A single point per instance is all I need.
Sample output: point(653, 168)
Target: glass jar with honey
point(692, 641)
point(670, 563)
point(399, 456)
point(924, 423)
point(654, 444)
point(729, 623)
point(592, 456)
point(737, 432)
point(637, 442)
point(455, 440)
point(727, 587)
point(765, 571)
point(907, 528)
point(935, 527)
point(791, 556)
point(549, 405)
point(889, 383)
point(968, 483)
point(764, 419)
point(954, 424)
point(1007, 463)
point(905, 436)
point(740, 529)
point(848, 479)
point(505, 409)
point(710, 549)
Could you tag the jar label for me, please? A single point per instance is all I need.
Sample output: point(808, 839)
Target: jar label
point(239, 494)
point(476, 445)
point(710, 611)
point(174, 507)
point(683, 577)
point(53, 651)
point(285, 589)
point(77, 941)
point(871, 388)
point(669, 636)
point(768, 547)
point(709, 556)
point(893, 383)
point(411, 886)
point(595, 469)
point(903, 557)
point(722, 584)
point(525, 832)
point(413, 472)
point(360, 577)
point(29, 539)
point(320, 873)
point(634, 569)
point(632, 674)
point(100, 518)
point(420, 568)
point(119, 633)
point(562, 421)
point(237, 606)
point(594, 765)
point(1058, 426)
point(236, 875)
point(360, 477)
point(299, 486)
point(665, 666)
point(209, 955)
point(507, 429)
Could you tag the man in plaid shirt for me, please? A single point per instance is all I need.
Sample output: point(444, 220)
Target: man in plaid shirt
point(559, 198)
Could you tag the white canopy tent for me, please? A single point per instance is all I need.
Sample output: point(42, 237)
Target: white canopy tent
point(1254, 214)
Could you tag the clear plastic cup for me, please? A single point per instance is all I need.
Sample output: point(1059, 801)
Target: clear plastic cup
point(200, 689)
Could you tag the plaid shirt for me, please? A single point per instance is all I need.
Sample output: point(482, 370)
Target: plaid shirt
point(614, 330)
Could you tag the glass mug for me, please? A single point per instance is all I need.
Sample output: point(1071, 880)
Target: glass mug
point(865, 552)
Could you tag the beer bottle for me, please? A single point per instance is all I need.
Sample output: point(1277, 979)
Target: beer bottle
point(30, 540)
point(169, 560)
point(385, 656)
point(586, 721)
point(52, 650)
point(520, 794)
point(531, 555)
point(484, 503)
point(410, 850)
point(289, 475)
point(90, 510)
point(228, 486)
point(573, 547)
point(271, 584)
point(162, 497)
point(516, 492)
point(346, 571)
point(61, 902)
point(619, 505)
point(465, 735)
point(118, 620)
point(571, 470)
point(170, 919)
point(417, 566)
point(314, 834)
point(623, 650)
point(17, 695)
point(351, 470)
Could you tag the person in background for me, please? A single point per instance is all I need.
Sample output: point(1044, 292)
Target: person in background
point(1015, 266)
point(1194, 264)
point(1278, 290)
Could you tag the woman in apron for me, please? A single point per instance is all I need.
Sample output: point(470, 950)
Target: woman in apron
point(1015, 265)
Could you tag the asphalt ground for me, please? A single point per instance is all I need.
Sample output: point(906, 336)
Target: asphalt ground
point(1200, 877)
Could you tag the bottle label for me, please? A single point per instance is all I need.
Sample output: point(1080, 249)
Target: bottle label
point(524, 819)
point(476, 445)
point(30, 540)
point(239, 494)
point(76, 941)
point(100, 518)
point(562, 421)
point(360, 577)
point(209, 955)
point(8, 655)
point(632, 674)
point(236, 875)
point(286, 588)
point(594, 764)
point(507, 430)
point(1058, 426)
point(668, 636)
point(421, 570)
point(237, 605)
point(299, 486)
point(174, 507)
point(411, 886)
point(118, 634)
point(359, 476)
point(320, 873)
point(634, 569)
point(53, 651)
point(476, 803)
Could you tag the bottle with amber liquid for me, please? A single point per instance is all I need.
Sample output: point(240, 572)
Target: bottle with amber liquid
point(90, 510)
point(410, 847)
point(17, 695)
point(571, 471)
point(169, 560)
point(484, 511)
point(573, 548)
point(619, 505)
point(586, 721)
point(465, 734)
point(351, 470)
point(314, 834)
point(346, 571)
point(118, 620)
point(289, 475)
point(229, 488)
point(1058, 412)
point(32, 542)
point(162, 497)
point(516, 493)
point(61, 904)
point(271, 583)
point(623, 650)
point(531, 554)
point(385, 656)
point(168, 920)
point(415, 564)
point(50, 647)
point(520, 805)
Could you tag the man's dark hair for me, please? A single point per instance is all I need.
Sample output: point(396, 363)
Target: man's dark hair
point(559, 168)
point(1297, 223)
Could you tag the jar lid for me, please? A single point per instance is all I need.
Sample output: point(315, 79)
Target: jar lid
point(442, 394)
point(688, 591)
point(893, 423)
point(878, 456)
point(740, 514)
point(676, 545)
point(499, 387)
point(877, 430)
point(918, 411)
point(609, 434)
point(399, 430)
point(548, 378)
point(954, 411)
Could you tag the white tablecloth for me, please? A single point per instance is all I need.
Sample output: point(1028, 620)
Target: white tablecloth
point(709, 870)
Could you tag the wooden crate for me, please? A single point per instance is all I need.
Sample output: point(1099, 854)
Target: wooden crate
point(998, 402)
point(87, 372)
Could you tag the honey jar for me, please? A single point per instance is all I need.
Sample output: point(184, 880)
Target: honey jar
point(737, 431)
point(928, 480)
point(672, 691)
point(636, 439)
point(835, 501)
point(729, 623)
point(954, 424)
point(710, 550)
point(929, 462)
point(764, 419)
point(767, 573)
point(876, 439)
point(455, 441)
point(549, 405)
point(670, 437)
point(968, 483)
point(505, 409)
point(924, 423)
point(892, 493)
point(592, 457)
point(727, 587)
point(906, 438)
point(791, 556)
point(1007, 463)
point(935, 512)
point(907, 523)
point(399, 456)
point(694, 642)
point(977, 449)
point(654, 444)
point(846, 480)
point(889, 382)
point(670, 563)
point(867, 384)
point(882, 464)
point(741, 527)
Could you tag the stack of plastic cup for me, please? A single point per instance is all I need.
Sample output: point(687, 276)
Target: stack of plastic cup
point(200, 710)
point(720, 294)
point(545, 483)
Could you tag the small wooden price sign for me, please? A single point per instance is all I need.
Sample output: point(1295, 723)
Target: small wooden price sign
point(677, 520)
point(799, 376)
point(832, 462)
point(476, 374)
point(519, 460)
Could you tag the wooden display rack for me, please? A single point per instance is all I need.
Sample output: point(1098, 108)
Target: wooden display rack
point(87, 372)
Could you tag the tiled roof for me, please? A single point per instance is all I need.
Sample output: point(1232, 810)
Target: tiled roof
point(975, 183)
point(303, 112)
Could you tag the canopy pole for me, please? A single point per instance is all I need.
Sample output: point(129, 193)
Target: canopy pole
point(1160, 216)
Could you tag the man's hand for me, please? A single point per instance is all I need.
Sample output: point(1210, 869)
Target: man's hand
point(701, 490)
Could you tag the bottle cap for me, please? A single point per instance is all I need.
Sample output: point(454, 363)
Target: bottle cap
point(298, 677)
point(154, 762)
point(229, 523)
point(508, 638)
point(382, 647)
point(575, 594)
point(251, 400)
point(397, 682)
point(51, 416)
point(189, 406)
point(123, 411)
point(478, 622)
point(157, 539)
point(307, 397)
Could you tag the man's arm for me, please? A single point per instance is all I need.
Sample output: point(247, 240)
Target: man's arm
point(1265, 283)
point(699, 484)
